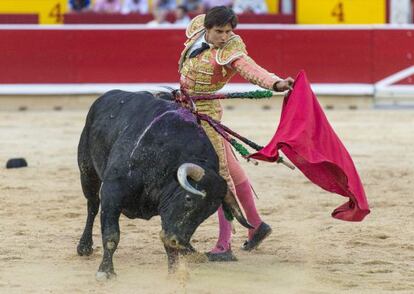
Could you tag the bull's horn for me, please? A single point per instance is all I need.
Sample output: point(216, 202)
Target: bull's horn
point(193, 171)
point(231, 203)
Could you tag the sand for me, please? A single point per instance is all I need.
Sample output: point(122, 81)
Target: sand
point(43, 211)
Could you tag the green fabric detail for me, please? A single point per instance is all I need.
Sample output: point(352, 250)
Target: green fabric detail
point(258, 94)
point(239, 148)
point(227, 213)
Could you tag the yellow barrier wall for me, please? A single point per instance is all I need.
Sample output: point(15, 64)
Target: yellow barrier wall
point(341, 11)
point(50, 11)
point(273, 6)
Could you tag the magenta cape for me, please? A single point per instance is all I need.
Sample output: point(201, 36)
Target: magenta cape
point(305, 136)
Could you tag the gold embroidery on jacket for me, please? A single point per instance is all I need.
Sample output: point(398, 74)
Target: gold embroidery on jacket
point(233, 49)
point(196, 25)
point(207, 73)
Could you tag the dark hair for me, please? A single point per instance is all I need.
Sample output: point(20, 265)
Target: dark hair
point(220, 16)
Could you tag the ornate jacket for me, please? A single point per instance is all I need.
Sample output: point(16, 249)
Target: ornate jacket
point(211, 70)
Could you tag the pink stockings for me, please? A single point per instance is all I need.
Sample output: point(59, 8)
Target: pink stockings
point(246, 199)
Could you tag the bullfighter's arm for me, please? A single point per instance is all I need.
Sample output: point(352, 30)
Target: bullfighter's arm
point(254, 73)
point(234, 55)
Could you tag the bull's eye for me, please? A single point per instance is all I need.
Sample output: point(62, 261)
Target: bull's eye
point(188, 199)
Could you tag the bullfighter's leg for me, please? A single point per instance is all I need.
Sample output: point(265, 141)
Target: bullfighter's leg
point(222, 250)
point(90, 186)
point(111, 206)
point(244, 193)
point(245, 196)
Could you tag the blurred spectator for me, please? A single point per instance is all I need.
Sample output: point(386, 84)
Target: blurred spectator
point(107, 6)
point(250, 6)
point(160, 18)
point(287, 7)
point(400, 11)
point(79, 5)
point(168, 5)
point(194, 6)
point(135, 6)
point(207, 4)
point(160, 9)
point(181, 16)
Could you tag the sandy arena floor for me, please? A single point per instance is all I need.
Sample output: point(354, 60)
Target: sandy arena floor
point(42, 214)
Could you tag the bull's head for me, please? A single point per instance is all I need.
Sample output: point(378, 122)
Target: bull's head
point(199, 194)
point(197, 173)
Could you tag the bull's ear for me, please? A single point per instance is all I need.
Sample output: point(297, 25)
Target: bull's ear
point(230, 204)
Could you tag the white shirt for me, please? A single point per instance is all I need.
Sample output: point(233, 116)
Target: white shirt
point(198, 44)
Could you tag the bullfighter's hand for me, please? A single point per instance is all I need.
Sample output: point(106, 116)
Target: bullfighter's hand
point(283, 85)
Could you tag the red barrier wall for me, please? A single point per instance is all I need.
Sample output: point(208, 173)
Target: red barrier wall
point(100, 18)
point(143, 56)
point(393, 51)
point(19, 18)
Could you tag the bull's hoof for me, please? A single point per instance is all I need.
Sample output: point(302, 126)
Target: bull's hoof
point(84, 249)
point(105, 276)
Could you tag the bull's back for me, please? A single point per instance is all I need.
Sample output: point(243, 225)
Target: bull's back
point(118, 115)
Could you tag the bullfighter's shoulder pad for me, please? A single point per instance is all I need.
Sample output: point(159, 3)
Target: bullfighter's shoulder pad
point(233, 49)
point(196, 25)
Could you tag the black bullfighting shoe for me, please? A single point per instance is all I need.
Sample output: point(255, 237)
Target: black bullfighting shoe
point(262, 232)
point(222, 256)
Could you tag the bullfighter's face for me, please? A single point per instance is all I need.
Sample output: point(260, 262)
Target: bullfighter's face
point(218, 36)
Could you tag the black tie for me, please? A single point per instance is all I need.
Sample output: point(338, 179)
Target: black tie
point(197, 51)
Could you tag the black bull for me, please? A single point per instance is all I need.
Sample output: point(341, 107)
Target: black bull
point(143, 155)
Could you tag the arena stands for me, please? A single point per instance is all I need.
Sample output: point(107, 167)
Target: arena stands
point(107, 6)
point(123, 11)
point(79, 5)
point(97, 18)
point(267, 12)
point(264, 11)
